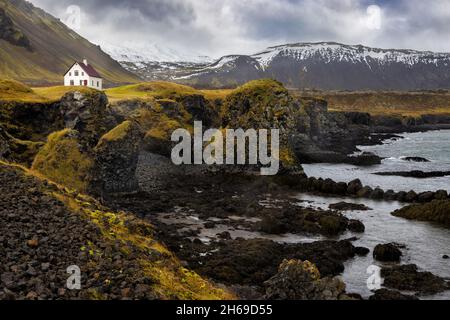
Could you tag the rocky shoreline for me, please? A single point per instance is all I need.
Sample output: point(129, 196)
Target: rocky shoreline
point(147, 220)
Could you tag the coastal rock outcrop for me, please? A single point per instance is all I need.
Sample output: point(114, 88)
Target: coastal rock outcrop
point(301, 280)
point(387, 252)
point(63, 160)
point(87, 112)
point(409, 278)
point(436, 211)
point(115, 160)
point(266, 104)
point(391, 295)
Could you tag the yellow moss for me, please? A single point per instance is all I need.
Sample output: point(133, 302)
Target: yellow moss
point(161, 90)
point(287, 157)
point(172, 281)
point(62, 160)
point(56, 93)
point(163, 129)
point(118, 132)
point(182, 284)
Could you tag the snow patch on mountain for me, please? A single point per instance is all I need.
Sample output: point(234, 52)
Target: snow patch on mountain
point(145, 53)
point(333, 52)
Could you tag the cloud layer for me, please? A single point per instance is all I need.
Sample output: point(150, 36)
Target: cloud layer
point(219, 27)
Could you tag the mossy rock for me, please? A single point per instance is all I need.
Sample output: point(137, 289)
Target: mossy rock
point(436, 211)
point(63, 161)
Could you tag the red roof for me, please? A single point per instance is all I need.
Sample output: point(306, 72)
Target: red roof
point(89, 70)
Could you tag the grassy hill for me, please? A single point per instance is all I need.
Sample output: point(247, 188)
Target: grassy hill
point(37, 49)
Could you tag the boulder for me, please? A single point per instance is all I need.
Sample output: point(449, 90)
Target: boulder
point(409, 278)
point(401, 196)
point(391, 295)
point(356, 226)
point(365, 192)
point(301, 280)
point(387, 253)
point(441, 195)
point(88, 113)
point(425, 197)
point(390, 195)
point(377, 194)
point(361, 251)
point(354, 187)
point(115, 160)
point(411, 196)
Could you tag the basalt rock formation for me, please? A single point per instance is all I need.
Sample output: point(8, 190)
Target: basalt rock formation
point(92, 154)
point(115, 160)
point(301, 280)
point(88, 113)
point(329, 137)
point(436, 211)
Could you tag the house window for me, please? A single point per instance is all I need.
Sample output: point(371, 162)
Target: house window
point(76, 74)
point(70, 74)
point(98, 84)
point(81, 82)
point(92, 83)
point(72, 83)
point(82, 74)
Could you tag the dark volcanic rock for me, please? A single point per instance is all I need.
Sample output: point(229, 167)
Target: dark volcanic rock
point(40, 237)
point(252, 262)
point(297, 280)
point(408, 278)
point(88, 113)
point(365, 192)
point(416, 159)
point(391, 295)
point(302, 220)
point(387, 252)
point(415, 174)
point(361, 251)
point(354, 187)
point(115, 160)
point(356, 226)
point(345, 206)
point(436, 211)
point(377, 194)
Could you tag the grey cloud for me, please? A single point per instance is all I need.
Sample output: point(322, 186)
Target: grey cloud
point(218, 27)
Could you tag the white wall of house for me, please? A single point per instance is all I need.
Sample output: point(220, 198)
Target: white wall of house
point(76, 76)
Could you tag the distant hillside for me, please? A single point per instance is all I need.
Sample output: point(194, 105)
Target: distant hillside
point(329, 66)
point(36, 48)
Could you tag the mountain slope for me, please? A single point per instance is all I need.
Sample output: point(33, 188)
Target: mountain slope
point(331, 66)
point(153, 62)
point(37, 48)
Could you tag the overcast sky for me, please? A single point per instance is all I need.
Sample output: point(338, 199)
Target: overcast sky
point(220, 27)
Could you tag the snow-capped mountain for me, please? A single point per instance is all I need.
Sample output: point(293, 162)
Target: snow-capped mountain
point(153, 62)
point(129, 52)
point(331, 66)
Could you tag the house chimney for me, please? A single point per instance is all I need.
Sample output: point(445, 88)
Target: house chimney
point(85, 61)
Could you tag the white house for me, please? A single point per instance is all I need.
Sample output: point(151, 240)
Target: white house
point(83, 74)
